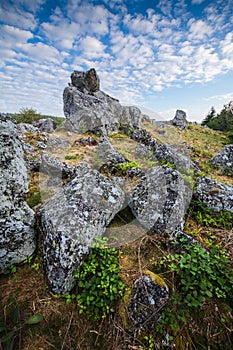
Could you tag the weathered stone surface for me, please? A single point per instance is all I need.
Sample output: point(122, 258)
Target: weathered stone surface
point(76, 215)
point(47, 124)
point(54, 143)
point(174, 155)
point(86, 141)
point(148, 144)
point(86, 108)
point(54, 167)
point(180, 120)
point(224, 159)
point(108, 154)
point(214, 194)
point(149, 296)
point(132, 116)
point(160, 200)
point(86, 80)
point(25, 127)
point(17, 235)
point(84, 112)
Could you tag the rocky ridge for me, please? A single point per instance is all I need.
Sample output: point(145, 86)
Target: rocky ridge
point(86, 200)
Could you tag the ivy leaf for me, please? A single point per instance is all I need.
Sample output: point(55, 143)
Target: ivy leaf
point(35, 319)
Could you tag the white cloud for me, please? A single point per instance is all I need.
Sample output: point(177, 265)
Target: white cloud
point(199, 30)
point(89, 17)
point(20, 13)
point(41, 52)
point(197, 2)
point(11, 36)
point(221, 97)
point(92, 47)
point(227, 45)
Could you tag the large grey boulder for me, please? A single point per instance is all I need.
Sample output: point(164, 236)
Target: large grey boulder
point(45, 124)
point(214, 194)
point(171, 154)
point(85, 112)
point(88, 81)
point(17, 235)
point(224, 159)
point(54, 167)
point(107, 154)
point(87, 108)
point(72, 219)
point(160, 200)
point(180, 120)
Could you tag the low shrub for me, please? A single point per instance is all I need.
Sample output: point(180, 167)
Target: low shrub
point(99, 281)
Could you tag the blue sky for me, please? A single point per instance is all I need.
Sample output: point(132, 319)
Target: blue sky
point(158, 55)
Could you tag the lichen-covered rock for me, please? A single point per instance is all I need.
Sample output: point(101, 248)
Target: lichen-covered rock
point(180, 120)
point(54, 143)
point(143, 137)
point(25, 127)
point(171, 154)
point(86, 108)
point(224, 159)
point(148, 298)
point(17, 235)
point(84, 112)
point(72, 219)
point(214, 194)
point(54, 167)
point(108, 154)
point(131, 116)
point(160, 200)
point(45, 124)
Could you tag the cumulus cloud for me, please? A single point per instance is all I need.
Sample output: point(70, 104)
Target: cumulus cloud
point(199, 29)
point(92, 47)
point(139, 53)
point(20, 13)
point(12, 36)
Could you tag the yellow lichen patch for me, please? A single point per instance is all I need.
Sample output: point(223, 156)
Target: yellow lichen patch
point(155, 278)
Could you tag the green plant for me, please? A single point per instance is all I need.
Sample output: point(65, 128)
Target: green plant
point(201, 276)
point(27, 115)
point(71, 157)
point(10, 331)
point(150, 342)
point(165, 162)
point(123, 167)
point(204, 215)
point(99, 281)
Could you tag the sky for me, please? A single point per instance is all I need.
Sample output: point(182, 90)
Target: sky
point(158, 55)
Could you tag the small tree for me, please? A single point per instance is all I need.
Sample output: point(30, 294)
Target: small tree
point(210, 116)
point(27, 115)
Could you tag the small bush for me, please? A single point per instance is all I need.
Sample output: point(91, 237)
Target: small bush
point(200, 276)
point(204, 215)
point(27, 115)
point(123, 167)
point(99, 281)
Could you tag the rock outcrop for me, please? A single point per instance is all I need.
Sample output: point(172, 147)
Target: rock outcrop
point(149, 296)
point(180, 120)
point(160, 200)
point(107, 154)
point(46, 124)
point(72, 219)
point(171, 154)
point(224, 159)
point(54, 167)
point(214, 194)
point(87, 108)
point(17, 235)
